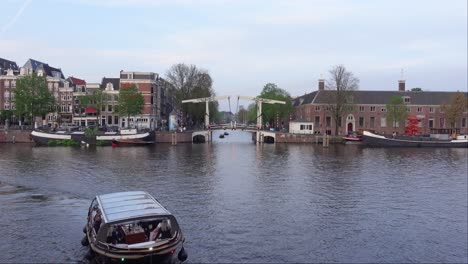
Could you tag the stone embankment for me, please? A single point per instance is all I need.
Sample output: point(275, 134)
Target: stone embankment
point(15, 136)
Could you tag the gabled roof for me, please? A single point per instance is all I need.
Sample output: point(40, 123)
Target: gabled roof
point(6, 64)
point(379, 97)
point(115, 83)
point(76, 81)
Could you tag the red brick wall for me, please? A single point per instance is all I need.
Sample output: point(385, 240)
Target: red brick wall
point(308, 113)
point(166, 137)
point(20, 136)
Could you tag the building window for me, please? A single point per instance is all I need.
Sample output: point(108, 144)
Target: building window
point(317, 108)
point(419, 109)
point(328, 121)
point(362, 109)
point(406, 99)
point(383, 109)
point(317, 120)
point(109, 120)
point(372, 121)
point(372, 108)
point(361, 121)
point(116, 120)
point(431, 109)
point(408, 109)
point(463, 122)
point(383, 122)
point(431, 123)
point(109, 108)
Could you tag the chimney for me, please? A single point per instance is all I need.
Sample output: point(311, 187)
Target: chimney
point(401, 85)
point(401, 82)
point(321, 83)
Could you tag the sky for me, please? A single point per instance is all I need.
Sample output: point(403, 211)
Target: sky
point(245, 44)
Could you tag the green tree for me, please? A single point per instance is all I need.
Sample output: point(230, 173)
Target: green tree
point(252, 113)
point(340, 101)
point(242, 115)
point(131, 102)
point(33, 98)
point(5, 115)
point(271, 111)
point(454, 110)
point(189, 82)
point(396, 110)
point(96, 100)
point(416, 89)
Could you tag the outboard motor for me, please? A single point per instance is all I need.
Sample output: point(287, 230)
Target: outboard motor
point(182, 256)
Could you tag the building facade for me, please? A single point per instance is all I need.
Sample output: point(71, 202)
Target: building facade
point(370, 111)
point(147, 84)
point(9, 72)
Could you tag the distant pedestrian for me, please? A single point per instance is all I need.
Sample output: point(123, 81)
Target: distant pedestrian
point(394, 134)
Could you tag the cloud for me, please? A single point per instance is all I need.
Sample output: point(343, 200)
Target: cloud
point(16, 16)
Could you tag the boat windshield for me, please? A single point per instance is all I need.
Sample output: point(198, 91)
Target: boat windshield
point(141, 231)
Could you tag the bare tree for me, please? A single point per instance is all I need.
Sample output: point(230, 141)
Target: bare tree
point(190, 82)
point(454, 110)
point(340, 101)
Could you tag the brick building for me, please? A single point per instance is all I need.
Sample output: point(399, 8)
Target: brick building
point(370, 110)
point(147, 84)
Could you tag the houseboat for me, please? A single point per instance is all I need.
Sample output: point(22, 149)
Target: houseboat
point(432, 140)
point(132, 227)
point(44, 137)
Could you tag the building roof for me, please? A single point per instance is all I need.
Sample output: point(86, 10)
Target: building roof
point(305, 99)
point(6, 64)
point(114, 81)
point(49, 70)
point(76, 81)
point(378, 97)
point(129, 205)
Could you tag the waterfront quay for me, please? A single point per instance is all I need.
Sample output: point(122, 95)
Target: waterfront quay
point(174, 137)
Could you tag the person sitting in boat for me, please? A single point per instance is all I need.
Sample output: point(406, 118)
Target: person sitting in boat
point(97, 220)
point(162, 230)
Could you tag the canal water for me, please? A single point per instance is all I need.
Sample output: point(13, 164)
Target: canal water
point(240, 202)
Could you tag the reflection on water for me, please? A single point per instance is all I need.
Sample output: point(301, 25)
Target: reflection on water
point(241, 202)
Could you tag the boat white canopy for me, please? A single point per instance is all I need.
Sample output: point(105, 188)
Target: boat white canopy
point(129, 205)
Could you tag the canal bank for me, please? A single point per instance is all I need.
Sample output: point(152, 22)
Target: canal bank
point(265, 137)
point(24, 136)
point(15, 136)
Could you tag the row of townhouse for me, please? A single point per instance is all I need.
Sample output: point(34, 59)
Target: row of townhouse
point(158, 96)
point(370, 110)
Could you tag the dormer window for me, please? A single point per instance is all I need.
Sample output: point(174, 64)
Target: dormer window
point(40, 73)
point(109, 87)
point(406, 99)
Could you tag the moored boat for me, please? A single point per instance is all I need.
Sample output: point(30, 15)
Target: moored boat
point(353, 138)
point(132, 227)
point(102, 138)
point(374, 140)
point(221, 136)
point(130, 142)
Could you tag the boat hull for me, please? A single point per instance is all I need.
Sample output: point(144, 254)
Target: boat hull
point(373, 140)
point(44, 138)
point(131, 143)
